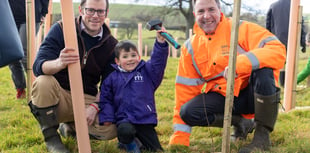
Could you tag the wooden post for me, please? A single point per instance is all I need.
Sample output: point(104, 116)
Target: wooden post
point(231, 77)
point(75, 77)
point(107, 22)
point(37, 46)
point(291, 52)
point(48, 18)
point(169, 51)
point(140, 38)
point(31, 47)
point(39, 37)
point(145, 50)
point(296, 57)
point(115, 33)
point(308, 81)
point(174, 50)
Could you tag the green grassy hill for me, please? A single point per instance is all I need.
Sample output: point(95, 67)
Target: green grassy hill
point(128, 13)
point(136, 13)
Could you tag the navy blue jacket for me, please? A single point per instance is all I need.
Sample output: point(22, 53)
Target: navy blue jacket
point(95, 62)
point(277, 22)
point(129, 96)
point(18, 8)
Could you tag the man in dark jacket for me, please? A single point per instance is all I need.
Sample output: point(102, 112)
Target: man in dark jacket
point(277, 22)
point(51, 98)
point(17, 68)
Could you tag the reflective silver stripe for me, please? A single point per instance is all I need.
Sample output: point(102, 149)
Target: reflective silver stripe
point(271, 38)
point(253, 59)
point(189, 81)
point(182, 127)
point(190, 50)
point(241, 50)
point(218, 75)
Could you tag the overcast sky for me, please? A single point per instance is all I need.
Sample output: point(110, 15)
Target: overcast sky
point(261, 4)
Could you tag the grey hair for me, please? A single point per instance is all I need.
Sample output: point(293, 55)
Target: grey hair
point(216, 1)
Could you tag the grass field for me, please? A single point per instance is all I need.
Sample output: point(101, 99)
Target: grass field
point(19, 132)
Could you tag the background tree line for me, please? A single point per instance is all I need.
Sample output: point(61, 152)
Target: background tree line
point(176, 15)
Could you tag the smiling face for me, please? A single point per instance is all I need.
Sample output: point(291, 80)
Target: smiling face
point(207, 15)
point(93, 22)
point(128, 60)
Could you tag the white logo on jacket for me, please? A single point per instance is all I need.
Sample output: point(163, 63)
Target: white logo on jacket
point(138, 77)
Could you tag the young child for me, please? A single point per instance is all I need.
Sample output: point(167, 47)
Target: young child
point(127, 95)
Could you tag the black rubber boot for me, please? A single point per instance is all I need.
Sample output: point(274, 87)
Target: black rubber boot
point(49, 125)
point(242, 127)
point(67, 130)
point(218, 121)
point(266, 112)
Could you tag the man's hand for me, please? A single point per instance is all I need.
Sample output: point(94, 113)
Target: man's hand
point(66, 57)
point(91, 113)
point(225, 75)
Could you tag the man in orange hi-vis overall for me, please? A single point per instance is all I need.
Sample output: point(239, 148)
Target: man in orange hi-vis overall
point(201, 78)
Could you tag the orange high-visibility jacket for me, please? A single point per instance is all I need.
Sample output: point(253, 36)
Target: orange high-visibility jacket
point(205, 56)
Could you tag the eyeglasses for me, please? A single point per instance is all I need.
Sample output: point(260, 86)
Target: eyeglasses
point(91, 12)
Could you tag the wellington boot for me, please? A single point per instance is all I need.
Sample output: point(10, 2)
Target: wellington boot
point(47, 119)
point(67, 130)
point(266, 112)
point(260, 142)
point(54, 145)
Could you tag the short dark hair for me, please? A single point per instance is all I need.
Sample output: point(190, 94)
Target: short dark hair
point(216, 1)
point(125, 45)
point(84, 1)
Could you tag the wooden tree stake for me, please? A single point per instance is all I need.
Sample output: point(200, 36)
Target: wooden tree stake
point(31, 44)
point(291, 52)
point(75, 77)
point(231, 77)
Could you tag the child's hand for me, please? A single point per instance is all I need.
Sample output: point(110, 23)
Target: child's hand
point(160, 38)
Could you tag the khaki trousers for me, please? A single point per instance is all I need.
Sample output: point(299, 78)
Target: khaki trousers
point(47, 92)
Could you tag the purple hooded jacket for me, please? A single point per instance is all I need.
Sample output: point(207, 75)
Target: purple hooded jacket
point(129, 96)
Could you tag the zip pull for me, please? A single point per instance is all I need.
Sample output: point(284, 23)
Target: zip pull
point(203, 89)
point(84, 59)
point(149, 107)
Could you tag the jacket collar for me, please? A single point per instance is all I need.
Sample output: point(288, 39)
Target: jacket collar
point(117, 68)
